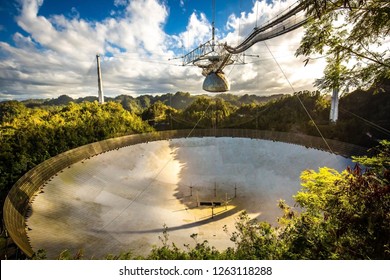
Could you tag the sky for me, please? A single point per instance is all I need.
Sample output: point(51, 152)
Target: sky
point(48, 47)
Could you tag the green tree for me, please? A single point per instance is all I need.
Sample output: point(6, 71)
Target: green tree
point(348, 31)
point(208, 112)
point(30, 136)
point(156, 112)
point(201, 250)
point(11, 110)
point(344, 215)
point(254, 240)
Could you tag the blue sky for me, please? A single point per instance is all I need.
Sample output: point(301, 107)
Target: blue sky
point(97, 10)
point(48, 47)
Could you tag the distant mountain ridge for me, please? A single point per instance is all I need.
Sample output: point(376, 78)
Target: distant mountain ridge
point(179, 100)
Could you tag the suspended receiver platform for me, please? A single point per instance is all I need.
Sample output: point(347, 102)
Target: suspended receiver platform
point(213, 57)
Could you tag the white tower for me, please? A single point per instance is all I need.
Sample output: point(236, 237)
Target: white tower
point(100, 81)
point(334, 107)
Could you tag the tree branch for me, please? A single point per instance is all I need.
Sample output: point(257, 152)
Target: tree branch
point(363, 56)
point(367, 50)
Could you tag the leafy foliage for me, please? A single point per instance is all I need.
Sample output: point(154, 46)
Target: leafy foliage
point(343, 216)
point(346, 216)
point(254, 240)
point(348, 31)
point(201, 250)
point(30, 136)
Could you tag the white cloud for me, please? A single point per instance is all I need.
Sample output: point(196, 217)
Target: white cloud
point(198, 31)
point(182, 5)
point(57, 53)
point(119, 3)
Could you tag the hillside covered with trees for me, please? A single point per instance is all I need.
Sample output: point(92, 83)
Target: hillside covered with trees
point(31, 132)
point(363, 115)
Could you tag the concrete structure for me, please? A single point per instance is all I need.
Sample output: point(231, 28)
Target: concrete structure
point(100, 80)
point(334, 108)
point(117, 194)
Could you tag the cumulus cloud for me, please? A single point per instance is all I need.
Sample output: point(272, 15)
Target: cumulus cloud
point(56, 55)
point(198, 31)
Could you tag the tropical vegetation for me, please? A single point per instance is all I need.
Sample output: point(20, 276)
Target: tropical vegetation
point(32, 131)
point(341, 215)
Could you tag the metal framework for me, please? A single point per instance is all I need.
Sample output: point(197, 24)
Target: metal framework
point(293, 18)
point(213, 57)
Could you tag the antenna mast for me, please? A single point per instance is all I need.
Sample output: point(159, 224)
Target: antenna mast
point(100, 81)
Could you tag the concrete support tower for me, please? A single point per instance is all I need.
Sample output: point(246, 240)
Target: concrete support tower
point(334, 107)
point(100, 81)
